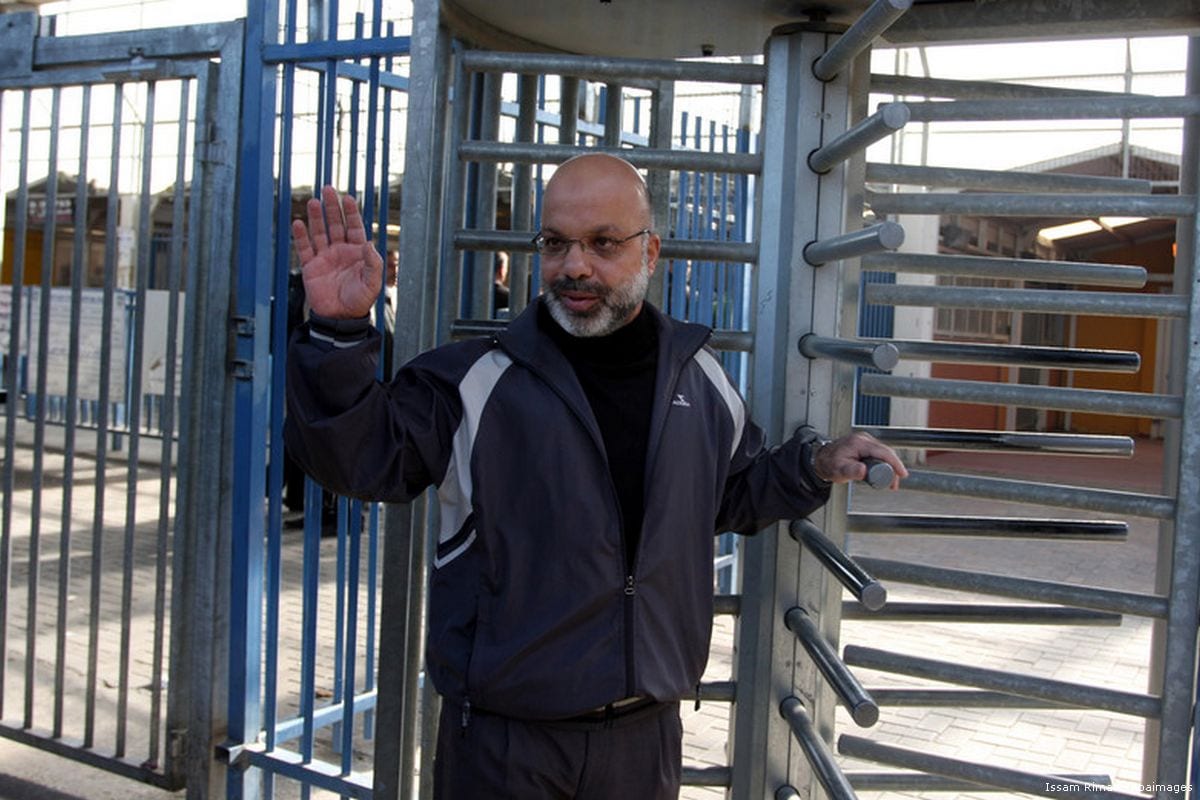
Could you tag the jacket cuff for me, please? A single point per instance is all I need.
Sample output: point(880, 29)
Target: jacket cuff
point(338, 332)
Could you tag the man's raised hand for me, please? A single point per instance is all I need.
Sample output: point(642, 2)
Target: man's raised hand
point(342, 272)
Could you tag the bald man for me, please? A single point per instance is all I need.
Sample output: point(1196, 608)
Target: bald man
point(584, 458)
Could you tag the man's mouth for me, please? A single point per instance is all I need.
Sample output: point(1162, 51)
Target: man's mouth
point(579, 302)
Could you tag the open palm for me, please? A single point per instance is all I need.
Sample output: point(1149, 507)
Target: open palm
point(342, 272)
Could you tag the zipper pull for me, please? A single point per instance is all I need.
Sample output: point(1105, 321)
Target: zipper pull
point(466, 714)
point(629, 588)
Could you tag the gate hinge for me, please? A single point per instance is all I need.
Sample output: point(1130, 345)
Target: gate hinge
point(242, 369)
point(243, 325)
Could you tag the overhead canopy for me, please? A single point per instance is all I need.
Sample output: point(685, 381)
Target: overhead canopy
point(692, 28)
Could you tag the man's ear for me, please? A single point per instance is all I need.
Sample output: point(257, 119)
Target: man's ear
point(653, 244)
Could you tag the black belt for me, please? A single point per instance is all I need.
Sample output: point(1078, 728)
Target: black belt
point(614, 710)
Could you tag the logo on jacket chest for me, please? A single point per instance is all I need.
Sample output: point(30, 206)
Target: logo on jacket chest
point(681, 401)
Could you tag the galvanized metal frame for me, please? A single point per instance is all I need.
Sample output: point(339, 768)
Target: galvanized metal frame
point(180, 55)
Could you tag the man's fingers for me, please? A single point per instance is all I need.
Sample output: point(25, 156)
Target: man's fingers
point(316, 225)
point(333, 215)
point(356, 232)
point(304, 248)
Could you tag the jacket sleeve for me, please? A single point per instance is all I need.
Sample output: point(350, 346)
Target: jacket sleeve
point(769, 484)
point(357, 436)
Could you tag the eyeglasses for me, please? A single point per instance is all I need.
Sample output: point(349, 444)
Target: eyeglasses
point(602, 246)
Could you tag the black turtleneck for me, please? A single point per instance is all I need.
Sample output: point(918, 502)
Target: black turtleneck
point(617, 374)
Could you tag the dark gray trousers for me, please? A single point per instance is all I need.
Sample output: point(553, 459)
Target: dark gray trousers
point(635, 757)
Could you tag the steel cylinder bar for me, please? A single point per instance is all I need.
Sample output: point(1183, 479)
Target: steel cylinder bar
point(1074, 444)
point(515, 153)
point(974, 612)
point(847, 687)
point(1044, 301)
point(706, 776)
point(882, 236)
point(597, 68)
point(1110, 107)
point(730, 604)
point(1132, 404)
point(819, 757)
point(735, 341)
point(868, 591)
point(999, 180)
point(1139, 705)
point(717, 691)
point(1033, 205)
point(1142, 605)
point(787, 793)
point(877, 355)
point(887, 119)
point(1008, 527)
point(878, 17)
point(1050, 494)
point(961, 698)
point(924, 782)
point(700, 249)
point(952, 89)
point(1017, 269)
point(1000, 777)
point(1020, 355)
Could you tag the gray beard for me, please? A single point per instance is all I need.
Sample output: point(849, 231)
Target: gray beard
point(616, 305)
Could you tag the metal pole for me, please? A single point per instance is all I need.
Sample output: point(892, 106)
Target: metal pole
point(1000, 180)
point(1119, 106)
point(1034, 205)
point(890, 118)
point(877, 355)
point(815, 750)
point(1091, 530)
point(641, 157)
point(1021, 355)
point(866, 29)
point(596, 67)
point(1022, 441)
point(870, 592)
point(862, 708)
point(882, 236)
point(1009, 268)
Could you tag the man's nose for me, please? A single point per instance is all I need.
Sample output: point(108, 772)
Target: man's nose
point(576, 263)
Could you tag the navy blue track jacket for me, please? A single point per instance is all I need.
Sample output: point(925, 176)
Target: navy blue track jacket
point(532, 612)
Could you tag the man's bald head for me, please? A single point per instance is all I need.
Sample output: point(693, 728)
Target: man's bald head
point(602, 173)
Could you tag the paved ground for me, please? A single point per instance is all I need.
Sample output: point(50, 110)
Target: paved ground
point(1033, 740)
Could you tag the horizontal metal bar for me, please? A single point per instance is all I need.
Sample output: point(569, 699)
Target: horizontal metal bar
point(1019, 355)
point(961, 698)
point(706, 776)
point(1142, 605)
point(887, 119)
point(317, 774)
point(1033, 205)
point(870, 592)
point(324, 716)
point(1097, 401)
point(1111, 107)
point(996, 180)
point(1002, 777)
point(1073, 444)
point(74, 750)
point(717, 691)
point(1139, 705)
point(882, 236)
point(849, 691)
point(878, 17)
point(985, 613)
point(787, 793)
point(924, 782)
point(695, 249)
point(1008, 527)
point(971, 90)
point(1044, 301)
point(594, 67)
point(819, 757)
point(1015, 269)
point(1049, 494)
point(642, 157)
point(733, 341)
point(877, 355)
point(729, 604)
point(367, 47)
point(179, 42)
